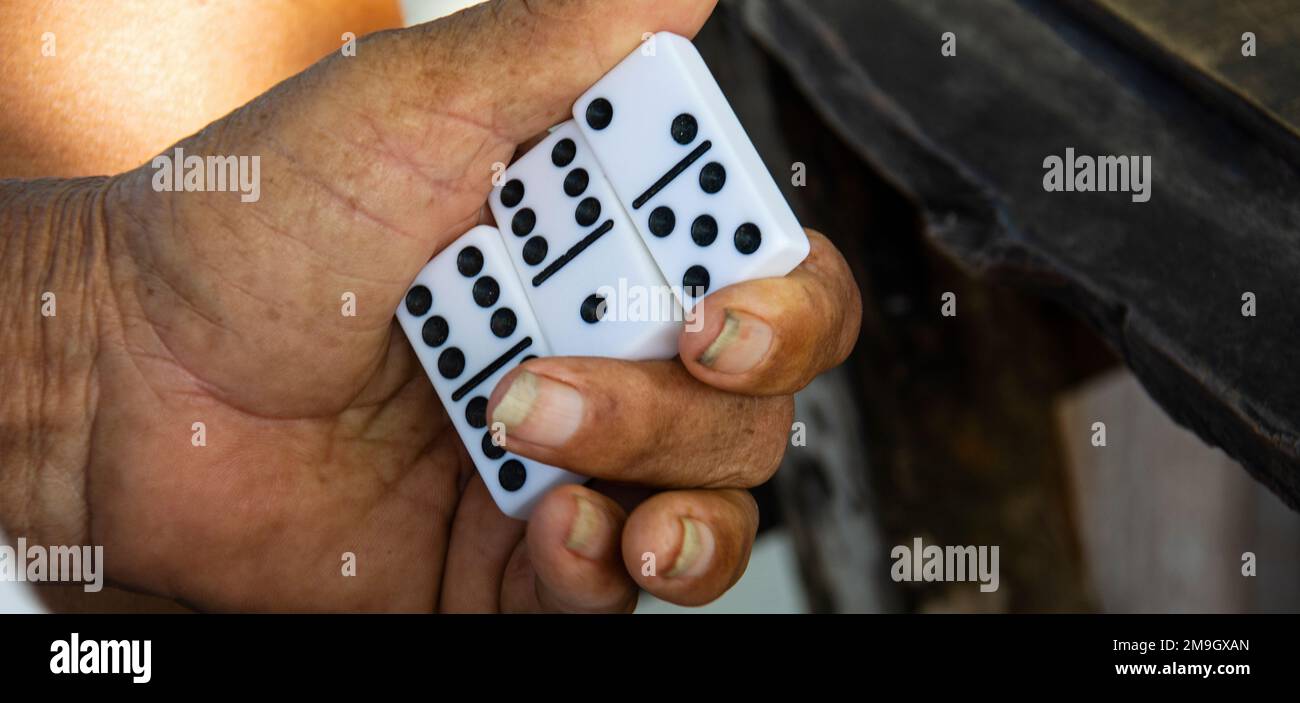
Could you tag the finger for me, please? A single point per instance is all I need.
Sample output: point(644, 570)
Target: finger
point(480, 548)
point(772, 336)
point(689, 547)
point(573, 550)
point(646, 422)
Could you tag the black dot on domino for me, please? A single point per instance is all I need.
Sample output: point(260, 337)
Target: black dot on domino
point(451, 363)
point(418, 300)
point(486, 291)
point(662, 221)
point(469, 261)
point(684, 129)
point(434, 331)
point(748, 237)
point(503, 322)
point(588, 212)
point(576, 182)
point(593, 309)
point(599, 114)
point(712, 177)
point(491, 450)
point(512, 193)
point(523, 222)
point(696, 281)
point(704, 230)
point(512, 475)
point(476, 412)
point(563, 153)
point(535, 251)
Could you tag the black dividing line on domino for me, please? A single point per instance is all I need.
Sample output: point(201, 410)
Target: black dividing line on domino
point(672, 174)
point(491, 368)
point(561, 261)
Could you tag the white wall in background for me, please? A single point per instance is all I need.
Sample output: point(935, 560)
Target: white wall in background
point(770, 584)
point(417, 11)
point(1164, 519)
point(17, 597)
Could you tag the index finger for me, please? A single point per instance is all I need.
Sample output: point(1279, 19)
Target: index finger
point(772, 336)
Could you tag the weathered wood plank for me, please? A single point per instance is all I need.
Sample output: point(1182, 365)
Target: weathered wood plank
point(937, 427)
point(966, 137)
point(1207, 36)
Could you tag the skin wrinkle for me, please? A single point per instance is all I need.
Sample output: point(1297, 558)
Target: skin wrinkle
point(372, 416)
point(824, 270)
point(165, 281)
point(154, 274)
point(493, 137)
point(431, 118)
point(348, 204)
point(220, 275)
point(56, 254)
point(384, 153)
point(224, 217)
point(94, 217)
point(208, 386)
point(659, 427)
point(225, 221)
point(209, 390)
point(758, 464)
point(169, 358)
point(118, 314)
point(455, 186)
point(206, 389)
point(380, 365)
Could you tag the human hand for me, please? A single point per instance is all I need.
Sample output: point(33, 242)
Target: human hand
point(322, 434)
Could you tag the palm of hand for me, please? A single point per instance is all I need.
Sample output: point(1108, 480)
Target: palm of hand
point(322, 435)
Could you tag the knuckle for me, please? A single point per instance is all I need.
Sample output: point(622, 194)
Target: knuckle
point(636, 420)
point(768, 448)
point(774, 458)
point(782, 414)
point(847, 330)
point(834, 295)
point(731, 474)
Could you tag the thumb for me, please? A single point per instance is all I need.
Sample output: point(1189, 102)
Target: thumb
point(454, 98)
point(518, 65)
point(397, 145)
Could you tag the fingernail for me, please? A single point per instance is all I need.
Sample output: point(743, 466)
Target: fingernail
point(696, 551)
point(742, 343)
point(589, 531)
point(539, 410)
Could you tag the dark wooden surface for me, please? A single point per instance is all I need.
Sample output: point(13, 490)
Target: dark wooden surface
point(964, 138)
point(953, 437)
point(1205, 36)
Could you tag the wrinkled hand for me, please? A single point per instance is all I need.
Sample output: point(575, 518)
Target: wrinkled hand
point(323, 436)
